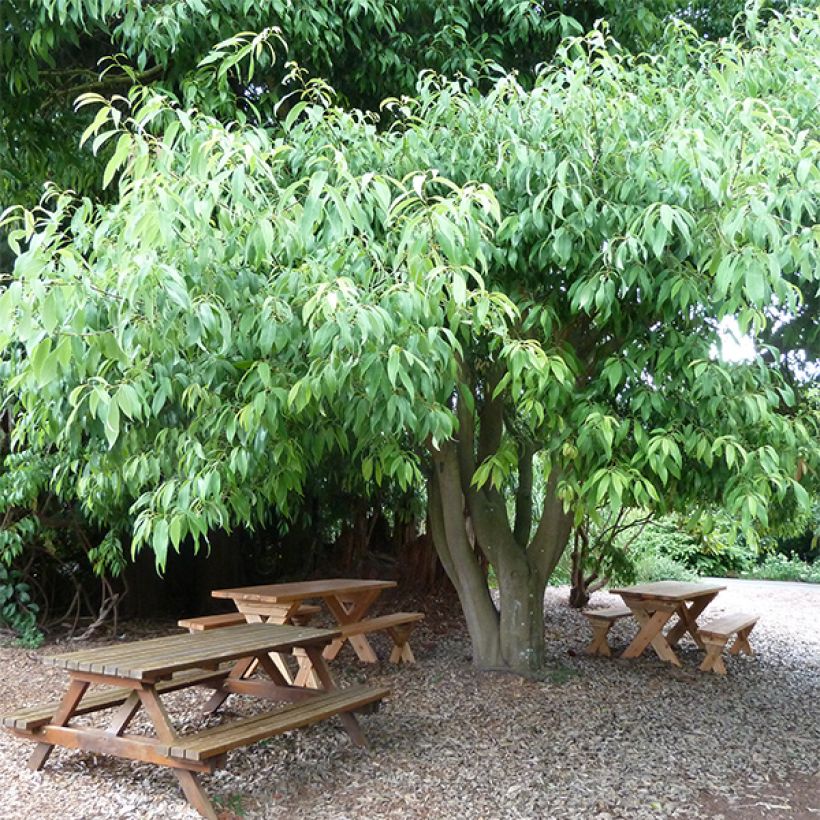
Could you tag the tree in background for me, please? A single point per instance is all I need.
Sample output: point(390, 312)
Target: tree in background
point(54, 50)
point(494, 276)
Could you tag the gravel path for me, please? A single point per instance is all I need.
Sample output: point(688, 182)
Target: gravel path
point(599, 738)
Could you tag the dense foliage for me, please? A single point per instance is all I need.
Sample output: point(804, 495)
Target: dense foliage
point(495, 275)
point(51, 52)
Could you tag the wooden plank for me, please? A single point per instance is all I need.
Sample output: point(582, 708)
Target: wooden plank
point(382, 622)
point(612, 613)
point(245, 731)
point(300, 590)
point(132, 747)
point(168, 645)
point(203, 623)
point(727, 625)
point(668, 590)
point(33, 716)
point(65, 711)
point(260, 688)
point(148, 660)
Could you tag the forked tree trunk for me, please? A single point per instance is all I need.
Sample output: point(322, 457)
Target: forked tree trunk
point(508, 635)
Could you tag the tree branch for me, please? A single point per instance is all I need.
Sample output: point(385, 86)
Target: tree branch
point(523, 496)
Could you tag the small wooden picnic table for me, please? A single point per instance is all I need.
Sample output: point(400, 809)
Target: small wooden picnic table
point(141, 671)
point(347, 599)
point(653, 606)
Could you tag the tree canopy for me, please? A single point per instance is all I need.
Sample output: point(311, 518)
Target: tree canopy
point(503, 277)
point(54, 50)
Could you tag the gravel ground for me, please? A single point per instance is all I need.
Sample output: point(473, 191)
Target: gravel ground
point(598, 738)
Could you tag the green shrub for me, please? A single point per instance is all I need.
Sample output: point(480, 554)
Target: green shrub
point(17, 611)
point(661, 568)
point(779, 567)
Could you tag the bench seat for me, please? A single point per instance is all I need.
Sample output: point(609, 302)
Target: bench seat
point(716, 634)
point(220, 739)
point(398, 626)
point(203, 623)
point(33, 717)
point(601, 621)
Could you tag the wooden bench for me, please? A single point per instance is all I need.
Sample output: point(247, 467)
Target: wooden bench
point(398, 626)
point(203, 623)
point(601, 621)
point(716, 634)
point(33, 717)
point(221, 739)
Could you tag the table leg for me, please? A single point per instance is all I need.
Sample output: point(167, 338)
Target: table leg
point(652, 624)
point(688, 620)
point(351, 614)
point(71, 699)
point(188, 781)
point(241, 669)
point(349, 721)
point(279, 618)
point(125, 714)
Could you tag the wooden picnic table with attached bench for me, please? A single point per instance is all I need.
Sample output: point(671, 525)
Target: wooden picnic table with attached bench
point(348, 600)
point(136, 674)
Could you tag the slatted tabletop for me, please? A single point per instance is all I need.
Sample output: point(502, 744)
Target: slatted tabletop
point(161, 657)
point(303, 590)
point(669, 591)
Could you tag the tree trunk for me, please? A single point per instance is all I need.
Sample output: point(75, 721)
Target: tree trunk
point(521, 596)
point(509, 636)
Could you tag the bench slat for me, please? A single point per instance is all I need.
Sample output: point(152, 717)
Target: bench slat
point(36, 716)
point(727, 625)
point(380, 622)
point(221, 739)
point(203, 623)
point(611, 614)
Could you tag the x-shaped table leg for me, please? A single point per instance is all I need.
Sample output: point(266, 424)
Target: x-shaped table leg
point(652, 621)
point(352, 613)
point(688, 617)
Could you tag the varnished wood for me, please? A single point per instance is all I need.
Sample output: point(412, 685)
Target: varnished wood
point(125, 714)
point(64, 713)
point(245, 731)
point(716, 635)
point(348, 615)
point(650, 633)
point(655, 604)
point(193, 790)
point(382, 622)
point(99, 741)
point(348, 601)
point(669, 590)
point(300, 616)
point(601, 621)
point(726, 625)
point(302, 590)
point(260, 688)
point(39, 715)
point(152, 659)
point(688, 617)
point(138, 669)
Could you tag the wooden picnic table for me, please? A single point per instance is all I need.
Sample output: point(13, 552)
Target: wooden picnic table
point(653, 606)
point(141, 671)
point(347, 599)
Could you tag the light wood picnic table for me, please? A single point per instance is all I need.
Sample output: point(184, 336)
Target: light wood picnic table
point(141, 671)
point(653, 606)
point(347, 599)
